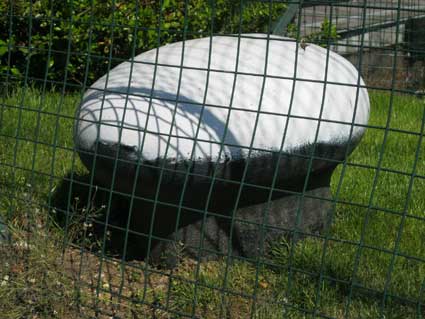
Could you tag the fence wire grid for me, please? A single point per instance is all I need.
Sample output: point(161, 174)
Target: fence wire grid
point(96, 230)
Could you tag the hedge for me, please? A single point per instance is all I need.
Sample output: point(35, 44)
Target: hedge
point(48, 41)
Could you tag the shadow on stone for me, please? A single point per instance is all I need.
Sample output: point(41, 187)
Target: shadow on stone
point(94, 217)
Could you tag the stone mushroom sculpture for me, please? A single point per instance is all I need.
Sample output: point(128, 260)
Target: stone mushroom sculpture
point(224, 140)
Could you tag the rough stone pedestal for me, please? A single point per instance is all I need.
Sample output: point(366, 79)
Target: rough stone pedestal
point(248, 229)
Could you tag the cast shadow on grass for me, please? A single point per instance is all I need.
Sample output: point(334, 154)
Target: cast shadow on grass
point(118, 226)
point(80, 207)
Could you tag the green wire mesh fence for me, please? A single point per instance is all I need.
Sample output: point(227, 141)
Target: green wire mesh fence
point(201, 215)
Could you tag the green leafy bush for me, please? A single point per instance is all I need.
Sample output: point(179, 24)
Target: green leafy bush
point(327, 34)
point(74, 40)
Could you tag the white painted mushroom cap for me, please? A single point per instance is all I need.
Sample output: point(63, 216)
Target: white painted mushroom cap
point(210, 99)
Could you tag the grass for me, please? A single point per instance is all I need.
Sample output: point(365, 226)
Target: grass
point(371, 264)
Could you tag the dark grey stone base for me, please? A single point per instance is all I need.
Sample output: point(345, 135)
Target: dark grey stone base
point(251, 234)
point(152, 230)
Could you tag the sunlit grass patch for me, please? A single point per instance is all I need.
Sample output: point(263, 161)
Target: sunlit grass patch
point(370, 263)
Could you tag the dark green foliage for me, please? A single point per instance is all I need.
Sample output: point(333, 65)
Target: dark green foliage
point(68, 40)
